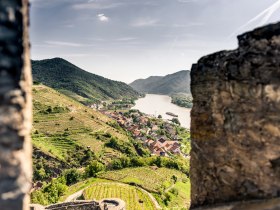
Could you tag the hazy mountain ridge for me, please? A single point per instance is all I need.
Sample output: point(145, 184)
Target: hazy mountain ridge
point(178, 82)
point(78, 83)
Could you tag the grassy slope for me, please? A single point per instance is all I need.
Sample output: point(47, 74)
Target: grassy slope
point(146, 177)
point(99, 189)
point(77, 83)
point(57, 134)
point(80, 186)
point(130, 194)
point(183, 197)
point(158, 181)
point(70, 127)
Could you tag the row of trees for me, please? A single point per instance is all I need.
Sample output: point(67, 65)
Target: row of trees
point(126, 162)
point(51, 192)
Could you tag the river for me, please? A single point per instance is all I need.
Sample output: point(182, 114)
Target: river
point(160, 104)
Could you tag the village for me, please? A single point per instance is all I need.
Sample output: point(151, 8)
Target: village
point(160, 136)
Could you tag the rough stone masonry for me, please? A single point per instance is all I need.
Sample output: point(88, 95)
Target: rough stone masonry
point(15, 106)
point(235, 124)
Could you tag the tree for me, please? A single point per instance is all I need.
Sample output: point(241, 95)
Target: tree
point(176, 121)
point(72, 176)
point(174, 178)
point(39, 174)
point(149, 124)
point(137, 162)
point(55, 189)
point(117, 164)
point(93, 168)
point(125, 161)
point(159, 117)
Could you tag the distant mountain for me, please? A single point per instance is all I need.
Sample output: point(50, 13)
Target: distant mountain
point(77, 83)
point(178, 82)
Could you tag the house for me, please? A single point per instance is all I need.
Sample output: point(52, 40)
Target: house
point(143, 138)
point(136, 133)
point(121, 122)
point(175, 149)
point(162, 141)
point(143, 120)
point(159, 151)
point(162, 146)
point(132, 128)
point(154, 128)
point(148, 142)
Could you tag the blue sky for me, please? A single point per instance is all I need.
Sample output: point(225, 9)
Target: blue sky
point(130, 39)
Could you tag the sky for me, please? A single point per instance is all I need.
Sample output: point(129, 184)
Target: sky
point(126, 40)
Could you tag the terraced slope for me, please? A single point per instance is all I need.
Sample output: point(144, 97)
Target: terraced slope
point(134, 198)
point(65, 129)
point(148, 178)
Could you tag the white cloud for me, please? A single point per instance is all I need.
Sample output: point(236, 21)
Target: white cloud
point(64, 44)
point(126, 39)
point(95, 5)
point(145, 22)
point(193, 24)
point(187, 1)
point(102, 18)
point(50, 43)
point(69, 26)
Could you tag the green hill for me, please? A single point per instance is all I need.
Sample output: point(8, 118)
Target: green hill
point(68, 134)
point(77, 83)
point(73, 143)
point(178, 82)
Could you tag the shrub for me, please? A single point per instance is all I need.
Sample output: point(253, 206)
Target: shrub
point(93, 168)
point(174, 178)
point(116, 164)
point(174, 191)
point(176, 121)
point(123, 147)
point(50, 193)
point(39, 174)
point(55, 189)
point(137, 162)
point(167, 198)
point(72, 176)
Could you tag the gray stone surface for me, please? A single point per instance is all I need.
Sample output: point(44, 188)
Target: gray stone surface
point(15, 106)
point(270, 204)
point(77, 205)
point(105, 204)
point(235, 121)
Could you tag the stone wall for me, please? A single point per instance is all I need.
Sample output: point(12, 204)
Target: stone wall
point(235, 121)
point(15, 106)
point(105, 204)
point(77, 205)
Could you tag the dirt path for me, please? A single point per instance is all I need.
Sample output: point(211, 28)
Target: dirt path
point(169, 188)
point(74, 196)
point(151, 197)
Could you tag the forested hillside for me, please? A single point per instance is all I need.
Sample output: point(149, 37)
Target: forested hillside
point(178, 82)
point(77, 83)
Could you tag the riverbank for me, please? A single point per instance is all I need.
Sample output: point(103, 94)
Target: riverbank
point(156, 105)
point(182, 100)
